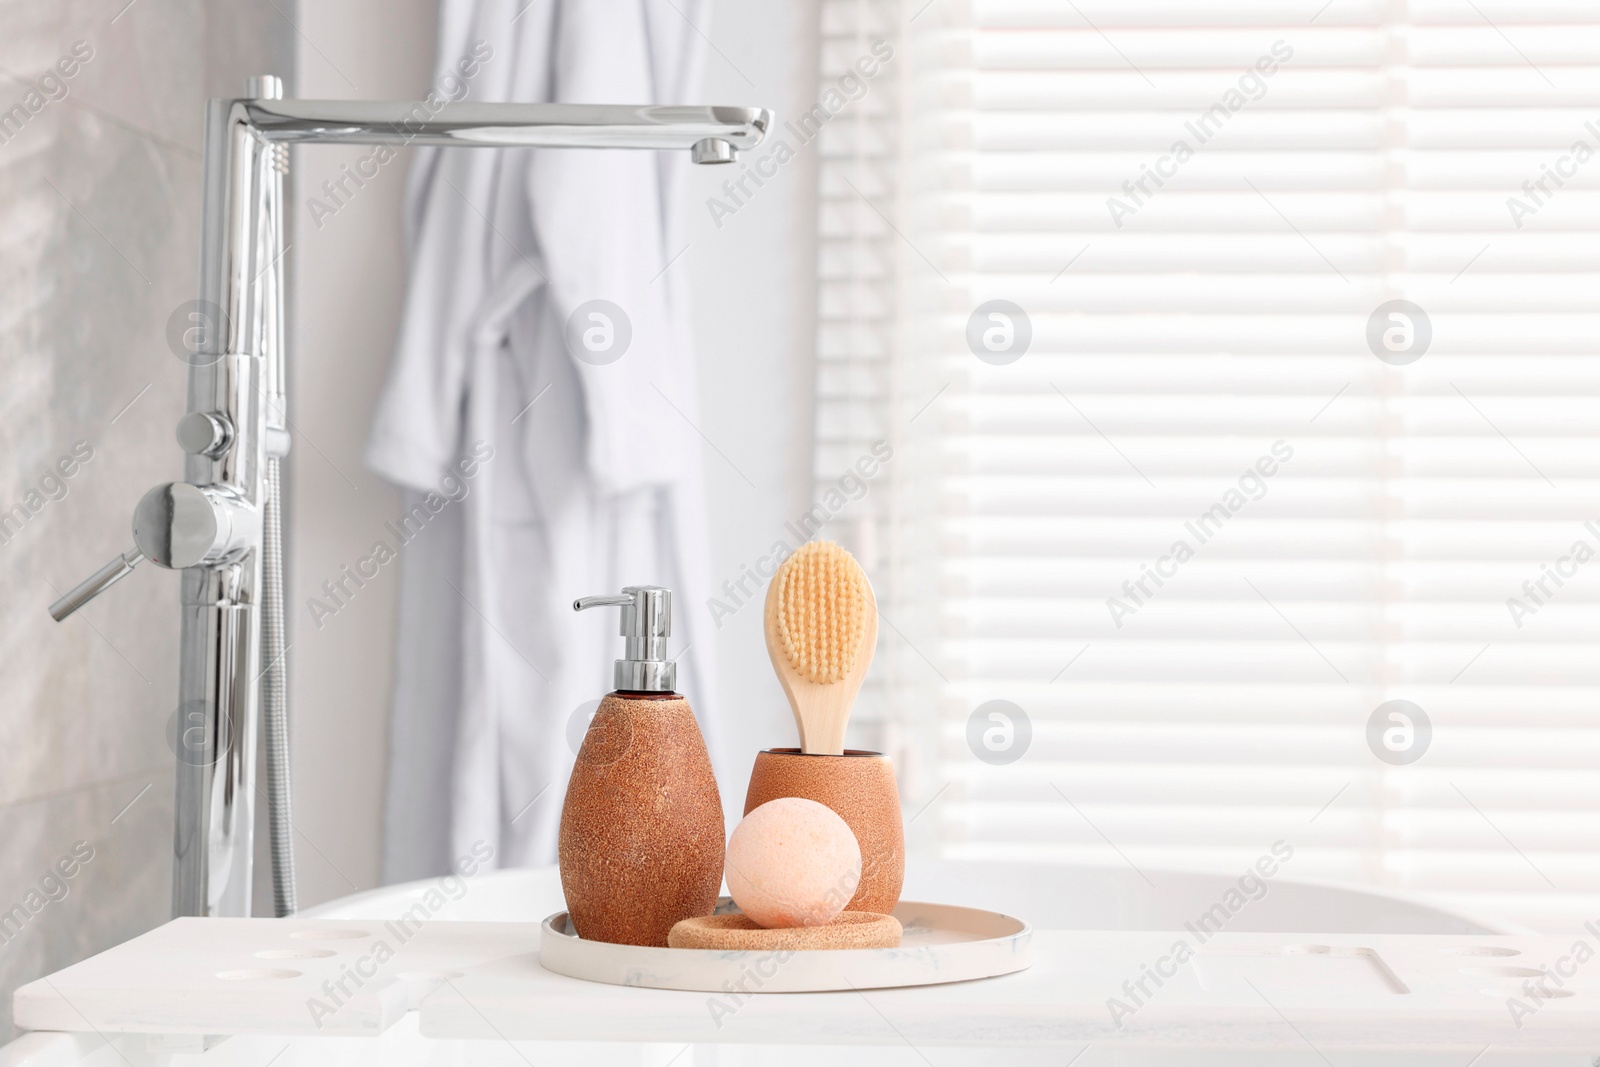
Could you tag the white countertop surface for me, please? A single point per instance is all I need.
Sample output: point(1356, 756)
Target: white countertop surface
point(1307, 992)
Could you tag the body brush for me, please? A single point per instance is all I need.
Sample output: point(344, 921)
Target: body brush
point(822, 627)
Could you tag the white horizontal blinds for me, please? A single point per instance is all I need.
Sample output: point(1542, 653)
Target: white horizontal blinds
point(1170, 355)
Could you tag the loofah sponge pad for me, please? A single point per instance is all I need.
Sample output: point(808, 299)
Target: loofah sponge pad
point(822, 610)
point(736, 933)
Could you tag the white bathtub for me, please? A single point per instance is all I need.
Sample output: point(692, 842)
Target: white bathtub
point(1055, 897)
point(1085, 898)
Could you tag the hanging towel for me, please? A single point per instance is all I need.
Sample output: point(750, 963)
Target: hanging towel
point(585, 473)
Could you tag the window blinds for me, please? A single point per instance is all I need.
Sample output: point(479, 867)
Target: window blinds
point(1199, 315)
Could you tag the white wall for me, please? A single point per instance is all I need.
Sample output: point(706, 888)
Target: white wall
point(754, 312)
point(753, 327)
point(347, 277)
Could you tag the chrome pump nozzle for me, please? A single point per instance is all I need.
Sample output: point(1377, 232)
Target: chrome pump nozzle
point(646, 625)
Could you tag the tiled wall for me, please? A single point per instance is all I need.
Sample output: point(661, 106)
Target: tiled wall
point(99, 239)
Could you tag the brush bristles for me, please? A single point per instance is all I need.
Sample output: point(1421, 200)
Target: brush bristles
point(822, 611)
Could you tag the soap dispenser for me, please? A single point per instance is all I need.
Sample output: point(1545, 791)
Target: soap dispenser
point(641, 843)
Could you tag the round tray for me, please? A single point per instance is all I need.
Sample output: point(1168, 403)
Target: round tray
point(942, 943)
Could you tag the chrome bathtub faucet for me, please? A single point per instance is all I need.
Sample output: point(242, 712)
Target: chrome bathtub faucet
point(220, 525)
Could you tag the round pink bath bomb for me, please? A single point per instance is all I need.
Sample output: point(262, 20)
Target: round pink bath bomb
point(793, 862)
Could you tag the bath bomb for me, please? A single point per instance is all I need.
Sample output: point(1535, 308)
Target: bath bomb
point(793, 862)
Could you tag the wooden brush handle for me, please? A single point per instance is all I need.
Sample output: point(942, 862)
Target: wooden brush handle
point(822, 712)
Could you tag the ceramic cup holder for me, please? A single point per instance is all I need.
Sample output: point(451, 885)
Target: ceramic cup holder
point(860, 787)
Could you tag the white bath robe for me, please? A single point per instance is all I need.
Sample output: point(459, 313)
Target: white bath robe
point(594, 486)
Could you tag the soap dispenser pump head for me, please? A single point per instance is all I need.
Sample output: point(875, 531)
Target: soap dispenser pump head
point(646, 625)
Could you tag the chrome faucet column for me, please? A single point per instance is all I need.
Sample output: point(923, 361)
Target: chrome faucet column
point(219, 525)
point(236, 369)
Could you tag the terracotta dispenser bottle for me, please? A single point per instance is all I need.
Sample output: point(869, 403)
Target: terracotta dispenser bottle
point(641, 831)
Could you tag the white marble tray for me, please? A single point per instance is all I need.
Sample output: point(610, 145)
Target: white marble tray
point(942, 943)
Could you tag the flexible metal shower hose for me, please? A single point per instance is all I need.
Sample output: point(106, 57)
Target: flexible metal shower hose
point(273, 697)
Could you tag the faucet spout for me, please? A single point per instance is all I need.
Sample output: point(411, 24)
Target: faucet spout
point(713, 150)
point(470, 124)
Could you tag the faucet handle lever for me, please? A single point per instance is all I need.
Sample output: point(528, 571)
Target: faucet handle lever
point(96, 583)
